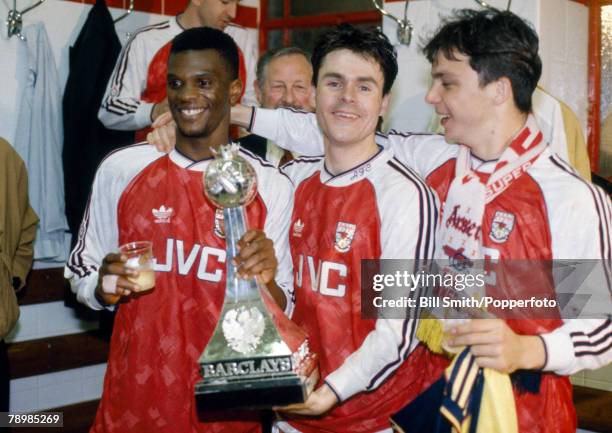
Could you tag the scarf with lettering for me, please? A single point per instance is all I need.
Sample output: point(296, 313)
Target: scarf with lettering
point(470, 192)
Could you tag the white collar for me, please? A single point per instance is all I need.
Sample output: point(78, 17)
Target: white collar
point(356, 173)
point(187, 163)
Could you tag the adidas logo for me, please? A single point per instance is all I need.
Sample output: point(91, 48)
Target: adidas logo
point(298, 228)
point(163, 214)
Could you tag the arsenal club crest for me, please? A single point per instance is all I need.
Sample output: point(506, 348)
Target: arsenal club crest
point(219, 229)
point(501, 227)
point(345, 233)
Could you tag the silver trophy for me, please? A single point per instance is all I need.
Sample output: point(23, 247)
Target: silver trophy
point(256, 357)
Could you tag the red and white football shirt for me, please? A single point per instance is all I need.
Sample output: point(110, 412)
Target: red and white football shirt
point(378, 210)
point(158, 336)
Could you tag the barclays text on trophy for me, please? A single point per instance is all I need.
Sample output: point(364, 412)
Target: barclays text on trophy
point(256, 357)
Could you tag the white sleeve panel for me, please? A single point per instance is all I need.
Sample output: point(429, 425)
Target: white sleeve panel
point(421, 152)
point(580, 344)
point(380, 354)
point(98, 234)
point(579, 213)
point(292, 130)
point(301, 168)
point(277, 192)
point(121, 105)
point(580, 217)
point(408, 217)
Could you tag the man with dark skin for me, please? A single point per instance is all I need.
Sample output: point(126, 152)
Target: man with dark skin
point(141, 194)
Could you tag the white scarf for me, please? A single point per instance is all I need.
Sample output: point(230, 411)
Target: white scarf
point(463, 211)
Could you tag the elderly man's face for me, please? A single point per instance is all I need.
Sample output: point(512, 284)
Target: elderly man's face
point(287, 83)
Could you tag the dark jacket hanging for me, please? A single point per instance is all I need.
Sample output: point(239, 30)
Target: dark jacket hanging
point(86, 140)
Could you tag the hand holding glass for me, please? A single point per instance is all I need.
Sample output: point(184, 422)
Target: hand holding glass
point(140, 258)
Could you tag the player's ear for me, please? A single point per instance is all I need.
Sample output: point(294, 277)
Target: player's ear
point(501, 90)
point(385, 104)
point(235, 91)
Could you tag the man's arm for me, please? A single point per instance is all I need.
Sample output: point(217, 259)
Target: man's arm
point(292, 130)
point(98, 236)
point(257, 259)
point(299, 132)
point(121, 106)
point(582, 229)
point(579, 344)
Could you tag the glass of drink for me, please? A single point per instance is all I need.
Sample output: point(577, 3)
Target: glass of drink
point(140, 258)
point(447, 325)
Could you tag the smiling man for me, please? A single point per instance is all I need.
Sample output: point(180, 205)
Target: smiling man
point(142, 195)
point(356, 202)
point(284, 79)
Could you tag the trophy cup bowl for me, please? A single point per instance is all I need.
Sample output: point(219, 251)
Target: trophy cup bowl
point(256, 357)
point(230, 181)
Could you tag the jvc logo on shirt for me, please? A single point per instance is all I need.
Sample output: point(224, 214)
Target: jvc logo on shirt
point(175, 250)
point(320, 276)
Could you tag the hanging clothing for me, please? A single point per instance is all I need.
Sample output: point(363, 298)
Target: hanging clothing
point(562, 130)
point(38, 140)
point(577, 151)
point(86, 140)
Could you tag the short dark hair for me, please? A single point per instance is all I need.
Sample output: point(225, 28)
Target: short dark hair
point(207, 38)
point(498, 43)
point(369, 42)
point(268, 56)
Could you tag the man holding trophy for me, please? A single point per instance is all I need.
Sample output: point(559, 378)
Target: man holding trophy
point(356, 202)
point(140, 195)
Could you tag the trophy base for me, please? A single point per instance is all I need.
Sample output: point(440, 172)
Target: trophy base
point(256, 393)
